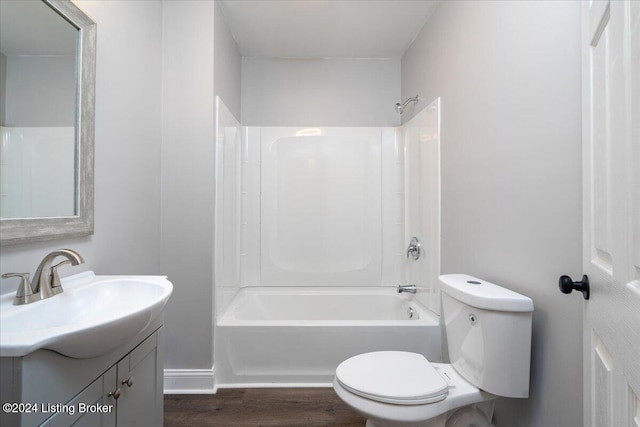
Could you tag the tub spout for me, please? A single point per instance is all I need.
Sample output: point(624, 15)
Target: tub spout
point(412, 289)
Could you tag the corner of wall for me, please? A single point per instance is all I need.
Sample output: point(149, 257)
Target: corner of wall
point(187, 180)
point(227, 64)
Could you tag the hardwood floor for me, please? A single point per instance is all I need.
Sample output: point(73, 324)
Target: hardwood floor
point(276, 407)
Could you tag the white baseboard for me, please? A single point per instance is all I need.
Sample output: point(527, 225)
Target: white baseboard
point(275, 385)
point(189, 381)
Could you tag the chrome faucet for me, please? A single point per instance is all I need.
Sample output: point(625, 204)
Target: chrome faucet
point(412, 289)
point(46, 282)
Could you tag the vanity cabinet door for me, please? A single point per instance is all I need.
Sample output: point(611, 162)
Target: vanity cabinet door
point(140, 381)
point(130, 393)
point(92, 407)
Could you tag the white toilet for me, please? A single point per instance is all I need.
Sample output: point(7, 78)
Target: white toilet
point(488, 331)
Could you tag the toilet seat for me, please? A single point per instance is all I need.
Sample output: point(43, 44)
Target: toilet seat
point(395, 377)
point(460, 393)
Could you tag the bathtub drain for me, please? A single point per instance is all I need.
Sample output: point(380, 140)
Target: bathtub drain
point(410, 313)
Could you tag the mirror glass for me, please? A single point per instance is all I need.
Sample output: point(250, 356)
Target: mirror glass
point(47, 80)
point(37, 111)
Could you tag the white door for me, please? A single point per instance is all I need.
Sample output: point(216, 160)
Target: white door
point(611, 212)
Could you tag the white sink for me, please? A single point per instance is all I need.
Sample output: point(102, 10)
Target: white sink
point(93, 315)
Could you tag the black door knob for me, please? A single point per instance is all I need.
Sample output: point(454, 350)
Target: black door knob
point(567, 285)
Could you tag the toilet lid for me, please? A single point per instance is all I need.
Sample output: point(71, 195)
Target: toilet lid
point(397, 377)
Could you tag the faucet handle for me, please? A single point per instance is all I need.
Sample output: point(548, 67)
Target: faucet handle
point(25, 294)
point(414, 248)
point(56, 286)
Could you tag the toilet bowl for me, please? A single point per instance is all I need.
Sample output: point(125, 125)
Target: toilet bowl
point(488, 331)
point(406, 390)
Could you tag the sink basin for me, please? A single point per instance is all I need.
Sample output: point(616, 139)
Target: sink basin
point(93, 315)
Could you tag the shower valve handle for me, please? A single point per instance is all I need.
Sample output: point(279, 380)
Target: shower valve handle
point(413, 250)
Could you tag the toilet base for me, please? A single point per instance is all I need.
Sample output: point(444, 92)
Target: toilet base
point(439, 421)
point(477, 415)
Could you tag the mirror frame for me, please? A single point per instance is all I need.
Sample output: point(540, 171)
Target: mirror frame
point(25, 230)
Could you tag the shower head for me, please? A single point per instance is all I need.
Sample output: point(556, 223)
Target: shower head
point(400, 107)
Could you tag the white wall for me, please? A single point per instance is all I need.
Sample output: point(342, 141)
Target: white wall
point(187, 181)
point(320, 92)
point(509, 77)
point(127, 149)
point(193, 35)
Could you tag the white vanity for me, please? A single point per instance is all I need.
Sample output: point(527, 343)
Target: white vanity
point(90, 356)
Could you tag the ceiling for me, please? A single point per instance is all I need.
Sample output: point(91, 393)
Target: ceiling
point(326, 28)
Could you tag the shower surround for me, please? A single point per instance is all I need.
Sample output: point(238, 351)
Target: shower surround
point(311, 231)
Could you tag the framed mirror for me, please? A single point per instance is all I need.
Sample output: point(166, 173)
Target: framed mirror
point(47, 108)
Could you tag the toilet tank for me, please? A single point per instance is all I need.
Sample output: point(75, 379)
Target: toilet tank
point(488, 330)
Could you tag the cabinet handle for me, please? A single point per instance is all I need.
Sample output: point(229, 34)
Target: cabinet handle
point(128, 382)
point(115, 394)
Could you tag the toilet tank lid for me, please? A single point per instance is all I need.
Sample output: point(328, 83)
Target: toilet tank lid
point(482, 294)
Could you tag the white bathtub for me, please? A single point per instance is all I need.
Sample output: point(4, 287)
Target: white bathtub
point(297, 336)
